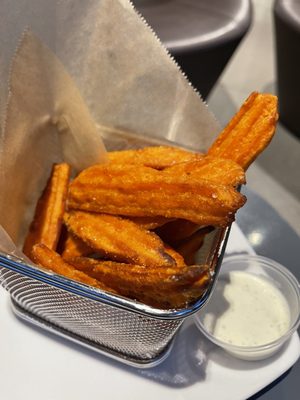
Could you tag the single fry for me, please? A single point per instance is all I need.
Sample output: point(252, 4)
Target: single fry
point(51, 260)
point(218, 170)
point(138, 282)
point(158, 157)
point(118, 238)
point(135, 190)
point(46, 225)
point(249, 131)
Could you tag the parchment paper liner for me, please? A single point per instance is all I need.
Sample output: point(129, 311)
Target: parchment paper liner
point(126, 78)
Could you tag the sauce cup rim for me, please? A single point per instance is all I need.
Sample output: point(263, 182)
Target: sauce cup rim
point(268, 264)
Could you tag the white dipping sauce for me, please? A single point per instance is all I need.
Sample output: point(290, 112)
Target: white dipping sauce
point(248, 310)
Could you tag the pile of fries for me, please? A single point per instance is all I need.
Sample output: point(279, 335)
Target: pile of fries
point(132, 226)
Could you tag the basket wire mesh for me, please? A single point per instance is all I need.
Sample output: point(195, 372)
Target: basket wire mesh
point(132, 336)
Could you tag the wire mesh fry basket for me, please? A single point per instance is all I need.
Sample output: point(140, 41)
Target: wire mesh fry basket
point(129, 331)
point(123, 329)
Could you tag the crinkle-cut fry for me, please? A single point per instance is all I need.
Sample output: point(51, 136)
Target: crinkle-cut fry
point(49, 259)
point(47, 222)
point(135, 190)
point(118, 238)
point(149, 223)
point(189, 247)
point(75, 247)
point(249, 131)
point(218, 170)
point(136, 281)
point(158, 157)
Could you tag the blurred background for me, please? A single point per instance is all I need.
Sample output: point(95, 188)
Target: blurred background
point(276, 173)
point(237, 40)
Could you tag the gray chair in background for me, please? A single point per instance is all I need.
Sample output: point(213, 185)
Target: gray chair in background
point(202, 35)
point(287, 35)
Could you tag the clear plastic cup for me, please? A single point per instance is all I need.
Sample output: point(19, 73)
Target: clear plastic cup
point(254, 308)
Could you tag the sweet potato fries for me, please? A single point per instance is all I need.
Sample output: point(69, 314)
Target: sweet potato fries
point(133, 225)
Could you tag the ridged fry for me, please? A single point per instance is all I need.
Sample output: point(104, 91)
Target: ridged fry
point(218, 170)
point(249, 131)
point(136, 190)
point(46, 225)
point(158, 286)
point(118, 238)
point(51, 260)
point(158, 157)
